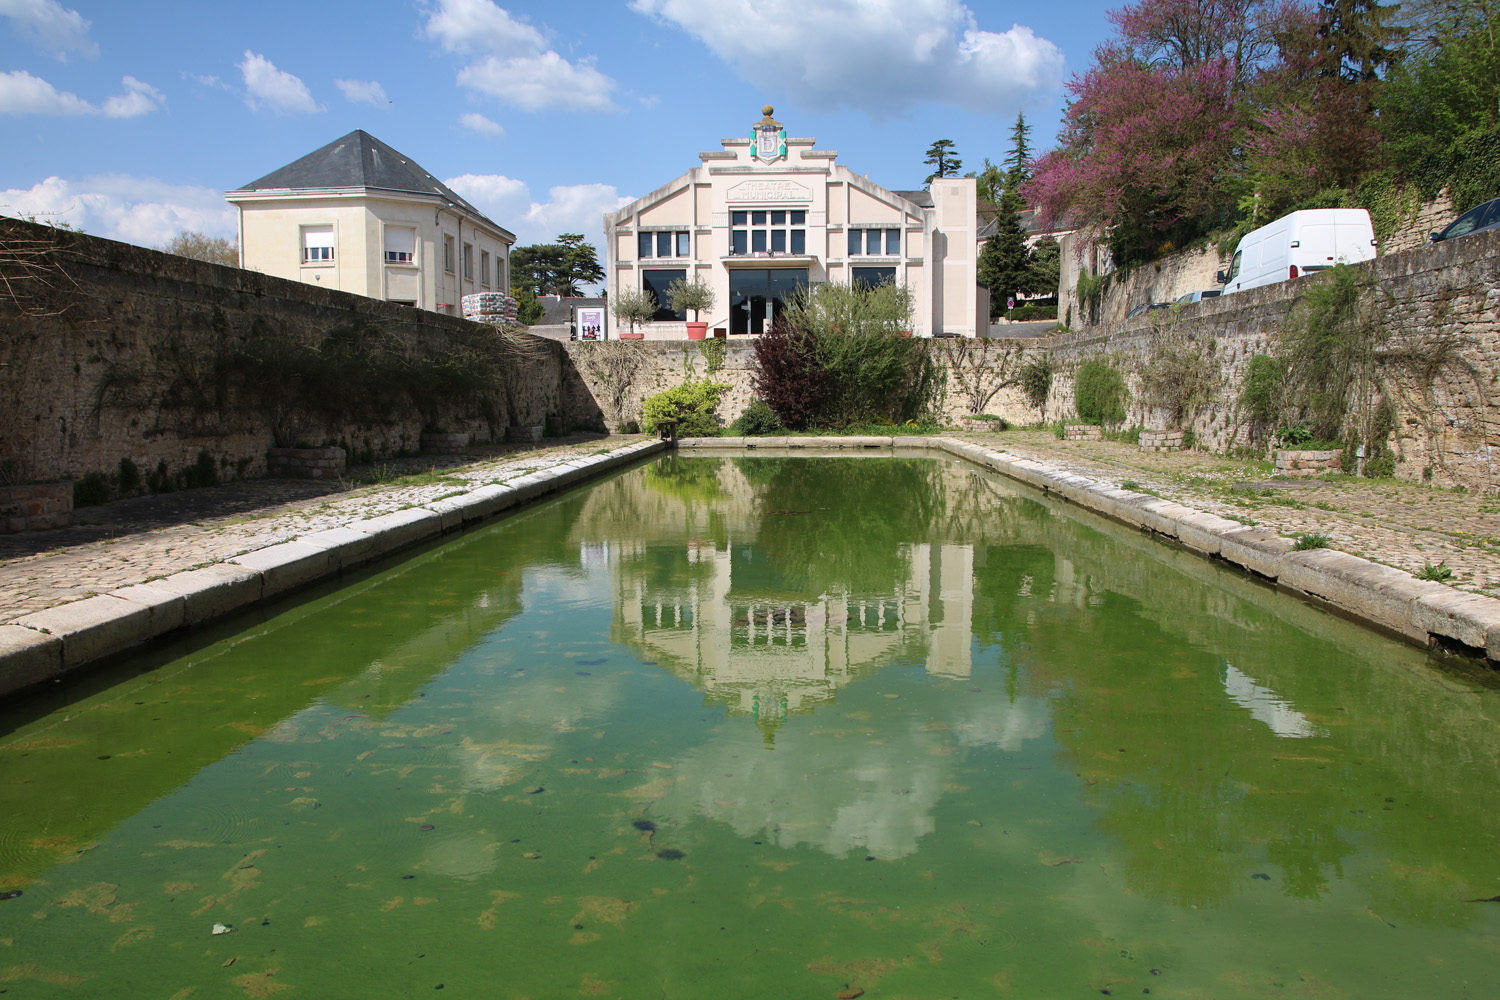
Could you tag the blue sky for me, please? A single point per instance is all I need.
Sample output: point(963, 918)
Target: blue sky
point(130, 120)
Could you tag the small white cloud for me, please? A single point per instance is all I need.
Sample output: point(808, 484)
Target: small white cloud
point(50, 26)
point(207, 80)
point(878, 56)
point(24, 94)
point(512, 62)
point(274, 89)
point(540, 82)
point(139, 210)
point(363, 92)
point(479, 123)
point(139, 99)
point(481, 27)
point(570, 208)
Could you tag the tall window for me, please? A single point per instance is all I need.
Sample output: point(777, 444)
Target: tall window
point(448, 254)
point(656, 283)
point(875, 243)
point(317, 243)
point(663, 244)
point(771, 232)
point(484, 268)
point(400, 245)
point(756, 297)
point(469, 261)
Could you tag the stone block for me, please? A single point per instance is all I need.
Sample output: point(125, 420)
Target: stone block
point(528, 487)
point(1368, 591)
point(486, 501)
point(1256, 549)
point(27, 658)
point(1201, 532)
point(93, 627)
point(213, 591)
point(287, 566)
point(401, 528)
point(168, 609)
point(450, 512)
point(346, 547)
point(1459, 617)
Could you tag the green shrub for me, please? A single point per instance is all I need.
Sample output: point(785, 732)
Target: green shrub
point(1099, 393)
point(1032, 312)
point(691, 404)
point(130, 477)
point(91, 490)
point(1036, 380)
point(1310, 540)
point(202, 472)
point(757, 420)
point(628, 427)
point(1262, 393)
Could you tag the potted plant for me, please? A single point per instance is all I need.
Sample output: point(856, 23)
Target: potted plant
point(630, 308)
point(692, 296)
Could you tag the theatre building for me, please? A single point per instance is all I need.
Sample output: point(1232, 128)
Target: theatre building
point(767, 214)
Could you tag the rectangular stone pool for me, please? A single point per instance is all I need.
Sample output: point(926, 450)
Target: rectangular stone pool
point(763, 727)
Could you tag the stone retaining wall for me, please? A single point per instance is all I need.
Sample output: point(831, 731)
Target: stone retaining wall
point(36, 506)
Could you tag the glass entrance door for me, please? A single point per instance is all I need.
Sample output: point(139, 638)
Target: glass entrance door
point(757, 296)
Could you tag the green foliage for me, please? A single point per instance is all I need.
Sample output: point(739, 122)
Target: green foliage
point(1180, 376)
point(1099, 393)
point(757, 420)
point(852, 359)
point(129, 477)
point(1262, 393)
point(1307, 540)
point(203, 472)
point(1031, 311)
point(91, 491)
point(1437, 574)
point(1090, 291)
point(943, 158)
point(560, 268)
point(1035, 379)
point(201, 246)
point(631, 306)
point(1328, 346)
point(528, 310)
point(713, 350)
point(692, 404)
point(691, 295)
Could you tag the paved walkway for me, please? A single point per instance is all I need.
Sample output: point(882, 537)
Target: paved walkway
point(1405, 525)
point(145, 538)
point(1401, 524)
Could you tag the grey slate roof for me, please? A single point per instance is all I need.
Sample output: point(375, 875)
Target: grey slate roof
point(359, 160)
point(921, 197)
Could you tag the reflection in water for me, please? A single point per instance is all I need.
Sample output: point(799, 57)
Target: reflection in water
point(767, 727)
point(1266, 706)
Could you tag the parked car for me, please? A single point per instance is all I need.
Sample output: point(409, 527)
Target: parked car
point(1313, 239)
point(1211, 293)
point(1476, 220)
point(1146, 307)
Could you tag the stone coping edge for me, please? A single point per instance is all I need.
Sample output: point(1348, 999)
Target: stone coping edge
point(1423, 612)
point(48, 645)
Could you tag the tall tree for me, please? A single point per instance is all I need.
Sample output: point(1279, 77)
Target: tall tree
point(944, 158)
point(560, 268)
point(1004, 260)
point(1018, 163)
point(989, 183)
point(1361, 42)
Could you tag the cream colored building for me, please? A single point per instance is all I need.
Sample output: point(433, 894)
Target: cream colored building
point(362, 217)
point(767, 214)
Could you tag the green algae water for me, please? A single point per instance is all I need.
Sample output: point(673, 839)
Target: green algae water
point(764, 727)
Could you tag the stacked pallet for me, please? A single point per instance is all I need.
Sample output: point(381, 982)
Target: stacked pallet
point(494, 308)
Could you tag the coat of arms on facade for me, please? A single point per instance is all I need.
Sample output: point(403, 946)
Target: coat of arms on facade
point(770, 137)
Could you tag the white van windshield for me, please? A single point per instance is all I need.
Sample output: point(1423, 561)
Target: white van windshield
point(1234, 268)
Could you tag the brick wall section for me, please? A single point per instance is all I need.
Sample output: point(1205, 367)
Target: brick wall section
point(69, 407)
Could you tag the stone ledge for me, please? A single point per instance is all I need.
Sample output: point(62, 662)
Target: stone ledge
point(287, 566)
point(28, 657)
point(213, 591)
point(92, 628)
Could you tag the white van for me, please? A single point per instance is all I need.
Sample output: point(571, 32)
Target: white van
point(1311, 240)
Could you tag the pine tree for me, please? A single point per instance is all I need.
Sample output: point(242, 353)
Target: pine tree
point(942, 155)
point(1005, 261)
point(1360, 44)
point(1018, 171)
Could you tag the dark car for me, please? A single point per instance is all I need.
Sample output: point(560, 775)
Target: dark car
point(1141, 310)
point(1476, 220)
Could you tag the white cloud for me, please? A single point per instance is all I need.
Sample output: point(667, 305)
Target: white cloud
point(540, 82)
point(138, 210)
point(274, 89)
point(363, 92)
point(512, 62)
point(24, 94)
point(879, 56)
point(570, 208)
point(479, 123)
point(139, 99)
point(50, 26)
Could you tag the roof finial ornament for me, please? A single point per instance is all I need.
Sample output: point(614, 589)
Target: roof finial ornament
point(767, 110)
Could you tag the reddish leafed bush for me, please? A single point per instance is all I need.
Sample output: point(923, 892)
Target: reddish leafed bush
point(788, 374)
